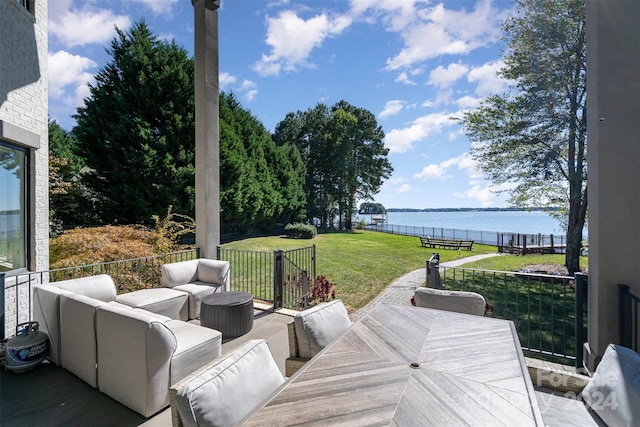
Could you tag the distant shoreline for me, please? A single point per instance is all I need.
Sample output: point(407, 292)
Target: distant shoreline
point(470, 209)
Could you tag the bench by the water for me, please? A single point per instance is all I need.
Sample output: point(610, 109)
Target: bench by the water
point(431, 242)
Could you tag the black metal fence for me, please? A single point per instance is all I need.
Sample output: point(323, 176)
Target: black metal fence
point(549, 312)
point(285, 279)
point(129, 275)
point(628, 304)
point(493, 238)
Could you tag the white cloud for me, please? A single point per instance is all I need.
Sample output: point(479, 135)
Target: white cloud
point(403, 77)
point(487, 78)
point(249, 89)
point(225, 80)
point(444, 77)
point(485, 195)
point(463, 162)
point(432, 171)
point(402, 140)
point(159, 6)
point(405, 188)
point(447, 31)
point(392, 108)
point(467, 102)
point(79, 27)
point(68, 72)
point(292, 39)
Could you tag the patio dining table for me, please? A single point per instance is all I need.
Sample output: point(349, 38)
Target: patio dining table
point(409, 366)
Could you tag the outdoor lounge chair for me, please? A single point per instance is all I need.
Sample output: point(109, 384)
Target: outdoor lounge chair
point(222, 392)
point(312, 329)
point(458, 301)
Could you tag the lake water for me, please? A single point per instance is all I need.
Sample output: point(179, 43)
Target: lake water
point(503, 221)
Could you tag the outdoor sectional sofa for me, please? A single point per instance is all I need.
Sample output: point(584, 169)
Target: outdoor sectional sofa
point(130, 354)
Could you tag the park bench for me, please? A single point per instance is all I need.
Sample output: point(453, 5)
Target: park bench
point(431, 242)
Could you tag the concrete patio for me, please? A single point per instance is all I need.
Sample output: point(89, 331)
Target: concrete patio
point(51, 396)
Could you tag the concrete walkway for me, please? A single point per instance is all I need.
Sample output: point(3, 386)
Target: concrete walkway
point(401, 290)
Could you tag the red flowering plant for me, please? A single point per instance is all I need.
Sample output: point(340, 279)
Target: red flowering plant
point(307, 293)
point(322, 291)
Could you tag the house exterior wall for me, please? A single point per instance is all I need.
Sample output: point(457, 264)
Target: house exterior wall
point(24, 123)
point(613, 126)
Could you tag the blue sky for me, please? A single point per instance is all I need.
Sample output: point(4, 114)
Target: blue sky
point(414, 64)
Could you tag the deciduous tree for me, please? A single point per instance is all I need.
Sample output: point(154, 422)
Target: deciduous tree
point(344, 156)
point(534, 136)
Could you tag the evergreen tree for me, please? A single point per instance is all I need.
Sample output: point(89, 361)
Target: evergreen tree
point(136, 129)
point(261, 183)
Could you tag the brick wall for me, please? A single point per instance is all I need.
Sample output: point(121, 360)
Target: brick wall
point(24, 104)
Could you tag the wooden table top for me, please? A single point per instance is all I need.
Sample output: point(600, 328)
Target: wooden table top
point(471, 372)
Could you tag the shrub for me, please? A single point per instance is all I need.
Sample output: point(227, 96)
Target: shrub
point(300, 231)
point(322, 291)
point(170, 229)
point(82, 246)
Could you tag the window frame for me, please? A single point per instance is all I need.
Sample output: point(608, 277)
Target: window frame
point(25, 176)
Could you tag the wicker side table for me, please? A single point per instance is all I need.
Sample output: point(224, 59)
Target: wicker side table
point(228, 312)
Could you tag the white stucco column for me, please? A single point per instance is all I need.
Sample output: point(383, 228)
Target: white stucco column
point(207, 126)
point(613, 129)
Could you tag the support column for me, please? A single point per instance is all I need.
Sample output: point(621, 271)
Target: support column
point(207, 126)
point(613, 125)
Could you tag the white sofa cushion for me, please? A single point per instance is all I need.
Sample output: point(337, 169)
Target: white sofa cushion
point(197, 292)
point(167, 302)
point(179, 273)
point(100, 287)
point(213, 271)
point(78, 336)
point(223, 392)
point(320, 325)
point(458, 301)
point(614, 390)
point(194, 345)
point(136, 352)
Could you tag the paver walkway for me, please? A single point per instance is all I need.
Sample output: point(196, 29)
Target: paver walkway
point(401, 290)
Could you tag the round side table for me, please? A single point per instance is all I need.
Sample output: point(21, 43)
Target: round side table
point(231, 313)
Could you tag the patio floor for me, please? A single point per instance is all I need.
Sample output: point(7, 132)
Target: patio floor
point(51, 396)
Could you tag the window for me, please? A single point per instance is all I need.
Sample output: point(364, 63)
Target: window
point(13, 207)
point(27, 4)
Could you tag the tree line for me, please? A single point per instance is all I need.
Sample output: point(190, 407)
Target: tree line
point(131, 154)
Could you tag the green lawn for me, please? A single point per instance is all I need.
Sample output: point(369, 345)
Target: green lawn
point(361, 263)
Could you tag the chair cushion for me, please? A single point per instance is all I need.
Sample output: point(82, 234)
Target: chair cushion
point(213, 271)
point(46, 311)
point(78, 336)
point(100, 287)
point(167, 302)
point(226, 390)
point(458, 301)
point(320, 325)
point(614, 390)
point(197, 292)
point(179, 273)
point(196, 346)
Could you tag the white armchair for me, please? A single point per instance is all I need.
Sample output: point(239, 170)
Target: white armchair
point(311, 331)
point(199, 278)
point(224, 391)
